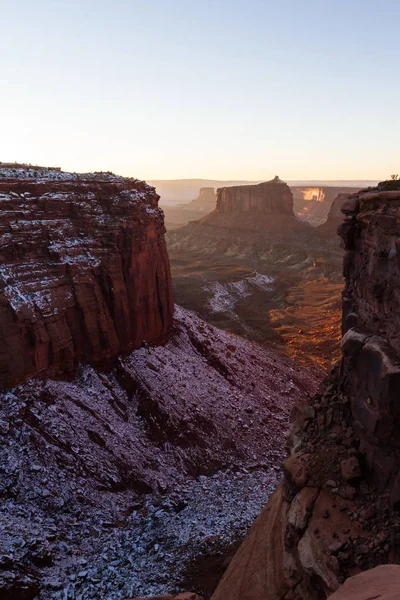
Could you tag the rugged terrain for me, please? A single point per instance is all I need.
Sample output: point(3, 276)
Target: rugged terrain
point(104, 477)
point(253, 268)
point(311, 204)
point(336, 512)
point(123, 472)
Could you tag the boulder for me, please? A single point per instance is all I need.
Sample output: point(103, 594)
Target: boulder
point(383, 582)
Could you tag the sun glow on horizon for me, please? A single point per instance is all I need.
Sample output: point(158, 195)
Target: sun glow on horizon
point(197, 90)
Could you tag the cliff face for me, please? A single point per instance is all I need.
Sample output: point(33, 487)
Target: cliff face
point(84, 271)
point(272, 197)
point(336, 511)
point(371, 327)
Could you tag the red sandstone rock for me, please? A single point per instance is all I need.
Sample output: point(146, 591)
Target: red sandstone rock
point(84, 271)
point(205, 200)
point(351, 469)
point(383, 582)
point(371, 324)
point(272, 197)
point(250, 221)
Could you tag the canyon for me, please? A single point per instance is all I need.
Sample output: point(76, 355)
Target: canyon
point(311, 202)
point(137, 447)
point(335, 513)
point(139, 442)
point(254, 230)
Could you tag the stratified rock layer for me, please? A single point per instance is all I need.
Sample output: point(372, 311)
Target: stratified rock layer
point(84, 271)
point(272, 197)
point(336, 511)
point(250, 221)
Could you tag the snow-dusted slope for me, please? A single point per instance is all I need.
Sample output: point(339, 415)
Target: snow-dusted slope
point(77, 456)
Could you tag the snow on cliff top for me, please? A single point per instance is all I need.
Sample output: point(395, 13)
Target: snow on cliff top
point(55, 174)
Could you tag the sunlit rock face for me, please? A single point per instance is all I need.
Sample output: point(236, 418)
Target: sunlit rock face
point(273, 197)
point(84, 271)
point(315, 205)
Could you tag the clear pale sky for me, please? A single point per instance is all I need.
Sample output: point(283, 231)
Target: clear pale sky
point(224, 89)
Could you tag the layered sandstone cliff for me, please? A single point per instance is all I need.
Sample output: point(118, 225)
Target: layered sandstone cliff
point(336, 511)
point(272, 197)
point(84, 271)
point(371, 327)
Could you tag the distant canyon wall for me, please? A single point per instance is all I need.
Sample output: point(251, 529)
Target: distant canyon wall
point(270, 197)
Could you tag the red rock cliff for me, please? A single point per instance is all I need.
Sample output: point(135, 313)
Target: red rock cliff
point(84, 271)
point(371, 327)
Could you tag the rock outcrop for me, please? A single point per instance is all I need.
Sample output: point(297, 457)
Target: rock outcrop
point(381, 583)
point(84, 271)
point(371, 327)
point(249, 221)
point(271, 197)
point(336, 511)
point(314, 204)
point(334, 218)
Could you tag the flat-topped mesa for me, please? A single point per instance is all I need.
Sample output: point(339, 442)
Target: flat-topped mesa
point(84, 270)
point(271, 197)
point(206, 197)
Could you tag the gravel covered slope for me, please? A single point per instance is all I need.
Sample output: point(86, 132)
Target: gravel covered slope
point(113, 484)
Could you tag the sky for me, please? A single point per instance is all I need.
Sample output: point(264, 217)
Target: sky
point(219, 89)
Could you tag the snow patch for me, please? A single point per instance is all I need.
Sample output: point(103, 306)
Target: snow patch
point(226, 295)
